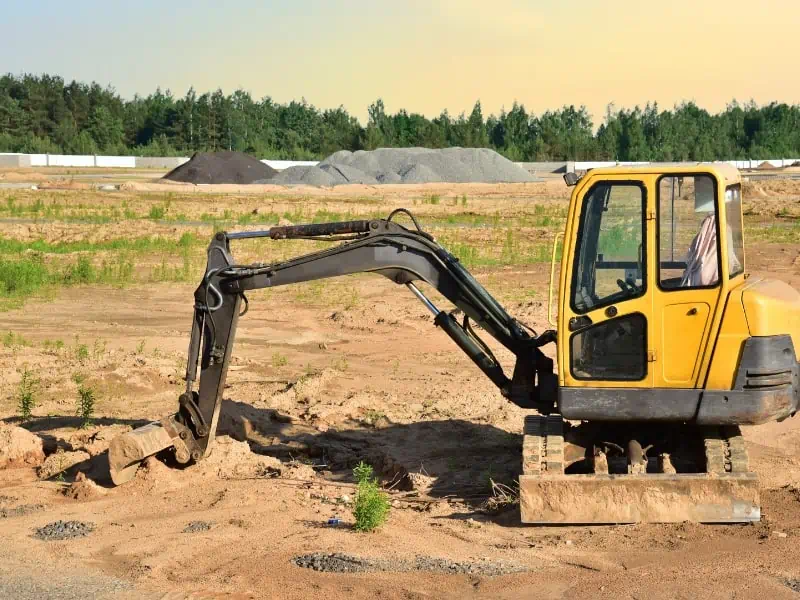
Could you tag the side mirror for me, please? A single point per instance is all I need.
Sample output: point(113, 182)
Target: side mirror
point(571, 179)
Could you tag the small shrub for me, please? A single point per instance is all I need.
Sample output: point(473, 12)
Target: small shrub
point(86, 402)
point(82, 353)
point(372, 417)
point(371, 504)
point(279, 360)
point(140, 348)
point(26, 400)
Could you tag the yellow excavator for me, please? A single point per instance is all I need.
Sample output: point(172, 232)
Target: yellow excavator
point(665, 346)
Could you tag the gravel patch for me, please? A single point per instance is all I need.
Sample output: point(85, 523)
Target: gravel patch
point(343, 563)
point(197, 526)
point(64, 530)
point(20, 511)
point(793, 584)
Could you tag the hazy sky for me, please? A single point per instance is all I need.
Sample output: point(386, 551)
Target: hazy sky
point(420, 55)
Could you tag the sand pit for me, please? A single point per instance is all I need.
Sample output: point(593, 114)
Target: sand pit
point(221, 167)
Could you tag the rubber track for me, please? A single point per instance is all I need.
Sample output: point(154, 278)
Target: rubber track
point(725, 451)
point(543, 445)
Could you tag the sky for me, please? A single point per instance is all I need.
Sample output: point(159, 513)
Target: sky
point(420, 55)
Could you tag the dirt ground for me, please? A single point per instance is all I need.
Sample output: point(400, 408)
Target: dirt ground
point(317, 384)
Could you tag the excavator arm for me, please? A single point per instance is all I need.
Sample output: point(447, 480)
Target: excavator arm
point(382, 246)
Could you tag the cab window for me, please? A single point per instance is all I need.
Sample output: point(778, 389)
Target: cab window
point(734, 237)
point(609, 258)
point(688, 251)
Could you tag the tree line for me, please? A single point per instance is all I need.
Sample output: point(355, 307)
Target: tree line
point(45, 114)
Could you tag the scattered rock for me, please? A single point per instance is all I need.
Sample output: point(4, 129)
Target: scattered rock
point(64, 530)
point(343, 563)
point(19, 448)
point(197, 526)
point(61, 462)
point(472, 523)
point(84, 489)
point(779, 534)
point(20, 511)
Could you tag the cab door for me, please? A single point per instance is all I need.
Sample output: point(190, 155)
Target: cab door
point(605, 324)
point(688, 282)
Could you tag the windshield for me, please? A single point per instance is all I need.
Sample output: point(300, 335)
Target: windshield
point(735, 241)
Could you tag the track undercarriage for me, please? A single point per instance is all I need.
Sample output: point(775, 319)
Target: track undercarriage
point(631, 473)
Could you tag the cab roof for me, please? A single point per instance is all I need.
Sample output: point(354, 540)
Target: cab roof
point(727, 173)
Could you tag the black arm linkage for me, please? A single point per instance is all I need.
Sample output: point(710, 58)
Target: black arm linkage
point(378, 246)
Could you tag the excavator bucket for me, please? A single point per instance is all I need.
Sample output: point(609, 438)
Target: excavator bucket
point(631, 488)
point(127, 451)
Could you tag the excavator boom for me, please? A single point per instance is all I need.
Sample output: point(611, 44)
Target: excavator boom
point(382, 246)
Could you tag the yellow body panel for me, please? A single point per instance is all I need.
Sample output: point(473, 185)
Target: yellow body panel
point(683, 326)
point(772, 307)
point(730, 339)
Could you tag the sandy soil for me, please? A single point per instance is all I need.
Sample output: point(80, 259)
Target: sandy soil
point(355, 373)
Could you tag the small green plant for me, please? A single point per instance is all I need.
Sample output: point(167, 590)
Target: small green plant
point(464, 200)
point(82, 353)
point(340, 364)
point(156, 213)
point(14, 340)
point(279, 360)
point(371, 504)
point(99, 348)
point(86, 402)
point(432, 199)
point(372, 417)
point(26, 400)
point(140, 348)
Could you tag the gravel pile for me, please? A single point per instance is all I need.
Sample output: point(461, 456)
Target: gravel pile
point(343, 563)
point(197, 527)
point(64, 530)
point(407, 165)
point(221, 167)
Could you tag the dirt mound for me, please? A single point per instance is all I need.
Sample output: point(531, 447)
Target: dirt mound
point(19, 448)
point(221, 167)
point(61, 462)
point(83, 489)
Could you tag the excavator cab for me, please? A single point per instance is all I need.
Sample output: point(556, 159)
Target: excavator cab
point(664, 346)
point(653, 260)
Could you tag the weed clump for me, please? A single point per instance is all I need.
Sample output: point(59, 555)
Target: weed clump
point(86, 401)
point(26, 394)
point(371, 504)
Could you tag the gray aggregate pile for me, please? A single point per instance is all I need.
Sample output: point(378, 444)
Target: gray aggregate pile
point(64, 530)
point(343, 563)
point(407, 165)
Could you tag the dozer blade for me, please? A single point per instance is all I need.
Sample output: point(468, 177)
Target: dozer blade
point(127, 451)
point(722, 491)
point(653, 498)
